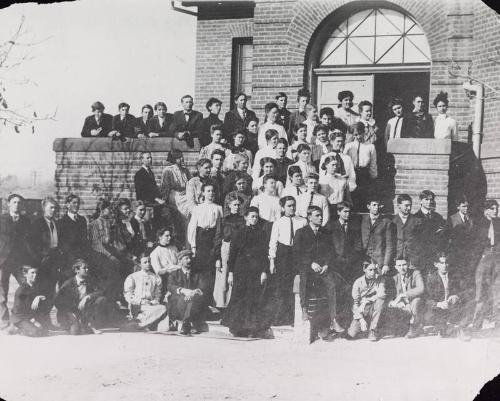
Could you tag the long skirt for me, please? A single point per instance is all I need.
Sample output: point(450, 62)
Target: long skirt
point(279, 291)
point(222, 291)
point(204, 262)
point(245, 312)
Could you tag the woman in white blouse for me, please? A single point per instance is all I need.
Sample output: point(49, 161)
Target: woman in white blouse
point(444, 127)
point(206, 221)
point(270, 122)
point(333, 185)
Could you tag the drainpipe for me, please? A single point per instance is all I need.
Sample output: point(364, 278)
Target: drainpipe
point(477, 126)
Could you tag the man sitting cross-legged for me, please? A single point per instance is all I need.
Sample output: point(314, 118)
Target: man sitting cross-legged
point(368, 294)
point(186, 301)
point(444, 304)
point(142, 291)
point(408, 303)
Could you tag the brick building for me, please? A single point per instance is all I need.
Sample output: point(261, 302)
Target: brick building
point(377, 49)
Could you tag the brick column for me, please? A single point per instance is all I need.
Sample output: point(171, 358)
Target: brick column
point(422, 164)
point(100, 167)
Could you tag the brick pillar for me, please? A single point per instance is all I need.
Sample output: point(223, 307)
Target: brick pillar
point(100, 167)
point(422, 164)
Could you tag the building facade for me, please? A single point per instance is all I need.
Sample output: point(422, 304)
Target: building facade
point(376, 49)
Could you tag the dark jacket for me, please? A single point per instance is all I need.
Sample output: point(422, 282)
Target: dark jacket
point(139, 242)
point(178, 280)
point(408, 238)
point(14, 239)
point(73, 236)
point(378, 240)
point(281, 171)
point(90, 123)
point(179, 124)
point(23, 298)
point(347, 247)
point(40, 237)
point(141, 127)
point(421, 126)
point(68, 297)
point(155, 126)
point(146, 189)
point(126, 127)
point(309, 248)
point(205, 136)
point(435, 290)
point(234, 122)
point(432, 238)
point(461, 236)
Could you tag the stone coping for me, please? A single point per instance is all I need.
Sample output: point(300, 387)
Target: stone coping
point(130, 145)
point(417, 146)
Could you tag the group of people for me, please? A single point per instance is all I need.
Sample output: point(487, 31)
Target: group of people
point(266, 204)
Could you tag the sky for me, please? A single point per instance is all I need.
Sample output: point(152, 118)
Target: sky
point(109, 50)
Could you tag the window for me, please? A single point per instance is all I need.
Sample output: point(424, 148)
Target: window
point(242, 67)
point(376, 36)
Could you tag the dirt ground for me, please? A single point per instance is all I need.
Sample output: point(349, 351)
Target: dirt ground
point(154, 367)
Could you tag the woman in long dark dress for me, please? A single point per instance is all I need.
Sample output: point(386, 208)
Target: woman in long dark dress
point(248, 267)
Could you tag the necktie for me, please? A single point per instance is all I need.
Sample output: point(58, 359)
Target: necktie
point(340, 163)
point(298, 191)
point(345, 228)
point(51, 225)
point(311, 200)
point(15, 218)
point(150, 172)
point(292, 235)
point(396, 128)
point(357, 155)
point(244, 114)
point(491, 234)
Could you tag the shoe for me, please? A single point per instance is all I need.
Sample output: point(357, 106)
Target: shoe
point(195, 331)
point(372, 336)
point(185, 329)
point(95, 331)
point(413, 332)
point(336, 327)
point(201, 326)
point(463, 335)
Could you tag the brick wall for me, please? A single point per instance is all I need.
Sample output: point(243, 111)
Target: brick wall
point(422, 164)
point(98, 167)
point(213, 59)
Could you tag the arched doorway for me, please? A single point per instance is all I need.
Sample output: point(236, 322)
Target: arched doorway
point(378, 53)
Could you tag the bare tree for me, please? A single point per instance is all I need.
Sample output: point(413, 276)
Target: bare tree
point(14, 52)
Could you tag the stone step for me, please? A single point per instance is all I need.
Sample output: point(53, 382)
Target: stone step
point(280, 332)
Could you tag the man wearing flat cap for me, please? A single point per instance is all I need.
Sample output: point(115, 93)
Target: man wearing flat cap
point(187, 300)
point(14, 250)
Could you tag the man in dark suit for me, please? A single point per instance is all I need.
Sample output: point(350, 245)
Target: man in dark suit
point(187, 123)
point(378, 236)
point(159, 125)
point(313, 254)
point(81, 306)
point(14, 250)
point(461, 231)
point(72, 240)
point(186, 300)
point(98, 124)
point(238, 117)
point(45, 234)
point(346, 239)
point(444, 303)
point(213, 107)
point(408, 301)
point(398, 126)
point(146, 189)
point(408, 231)
point(123, 124)
point(432, 232)
point(487, 261)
